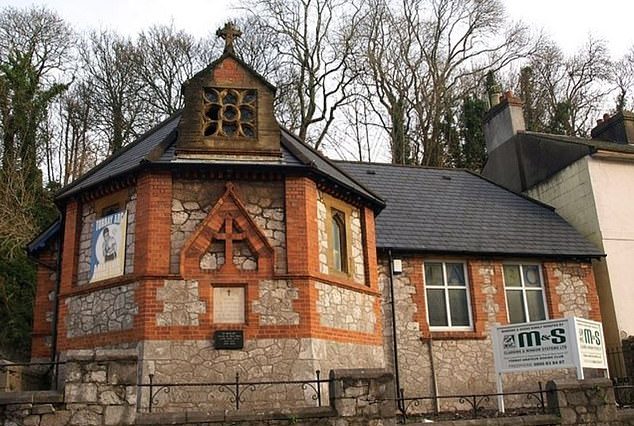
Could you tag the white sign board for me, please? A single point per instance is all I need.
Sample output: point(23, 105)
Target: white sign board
point(228, 305)
point(533, 346)
point(540, 345)
point(590, 343)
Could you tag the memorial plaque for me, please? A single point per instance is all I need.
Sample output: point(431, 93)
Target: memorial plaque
point(228, 339)
point(229, 305)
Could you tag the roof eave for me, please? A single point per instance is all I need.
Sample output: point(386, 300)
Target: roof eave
point(485, 253)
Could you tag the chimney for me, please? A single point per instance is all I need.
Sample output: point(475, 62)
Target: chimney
point(503, 121)
point(618, 128)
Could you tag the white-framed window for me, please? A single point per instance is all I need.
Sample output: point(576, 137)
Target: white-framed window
point(447, 295)
point(524, 288)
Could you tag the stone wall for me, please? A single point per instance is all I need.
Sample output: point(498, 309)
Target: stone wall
point(345, 309)
point(261, 359)
point(88, 217)
point(462, 361)
point(102, 311)
point(586, 402)
point(264, 201)
point(100, 389)
point(275, 303)
point(181, 303)
point(572, 290)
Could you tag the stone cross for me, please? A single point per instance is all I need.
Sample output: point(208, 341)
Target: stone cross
point(229, 33)
point(229, 237)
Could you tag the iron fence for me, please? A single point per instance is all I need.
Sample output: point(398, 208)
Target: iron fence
point(236, 390)
point(469, 405)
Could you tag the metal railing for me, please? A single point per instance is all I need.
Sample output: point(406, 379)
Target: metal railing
point(236, 390)
point(475, 405)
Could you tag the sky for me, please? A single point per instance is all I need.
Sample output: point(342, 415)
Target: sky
point(568, 22)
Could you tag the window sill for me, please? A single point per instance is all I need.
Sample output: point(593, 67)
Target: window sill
point(347, 282)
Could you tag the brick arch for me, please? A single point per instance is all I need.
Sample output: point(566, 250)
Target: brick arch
point(228, 212)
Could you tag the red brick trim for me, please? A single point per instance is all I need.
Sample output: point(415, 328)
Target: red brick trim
point(153, 223)
point(229, 206)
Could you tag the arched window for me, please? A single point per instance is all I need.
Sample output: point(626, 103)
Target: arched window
point(339, 244)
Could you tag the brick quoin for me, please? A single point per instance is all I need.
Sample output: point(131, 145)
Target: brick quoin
point(153, 223)
point(42, 306)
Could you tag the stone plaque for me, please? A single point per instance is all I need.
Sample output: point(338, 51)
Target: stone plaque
point(229, 305)
point(228, 339)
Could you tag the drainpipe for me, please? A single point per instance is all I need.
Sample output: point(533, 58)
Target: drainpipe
point(434, 382)
point(58, 279)
point(394, 339)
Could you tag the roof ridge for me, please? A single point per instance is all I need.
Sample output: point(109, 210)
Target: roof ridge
point(405, 166)
point(117, 154)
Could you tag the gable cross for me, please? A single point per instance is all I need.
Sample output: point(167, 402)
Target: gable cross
point(229, 237)
point(229, 33)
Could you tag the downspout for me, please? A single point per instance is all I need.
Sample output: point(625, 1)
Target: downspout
point(434, 382)
point(58, 279)
point(394, 338)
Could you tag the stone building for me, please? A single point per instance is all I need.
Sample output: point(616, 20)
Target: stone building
point(590, 182)
point(220, 243)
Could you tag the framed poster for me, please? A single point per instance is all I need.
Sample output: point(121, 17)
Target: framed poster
point(107, 259)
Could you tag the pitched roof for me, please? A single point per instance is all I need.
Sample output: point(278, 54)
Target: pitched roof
point(158, 147)
point(594, 144)
point(457, 211)
point(39, 242)
point(529, 158)
point(129, 158)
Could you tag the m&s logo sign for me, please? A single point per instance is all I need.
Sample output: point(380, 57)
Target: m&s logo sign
point(528, 339)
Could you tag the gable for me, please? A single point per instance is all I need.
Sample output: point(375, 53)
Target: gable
point(228, 113)
point(227, 223)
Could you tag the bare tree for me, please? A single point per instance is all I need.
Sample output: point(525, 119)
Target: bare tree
point(573, 89)
point(424, 56)
point(17, 201)
point(166, 58)
point(72, 146)
point(622, 76)
point(110, 62)
point(315, 44)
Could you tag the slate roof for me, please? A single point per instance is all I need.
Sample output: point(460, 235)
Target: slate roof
point(428, 210)
point(158, 147)
point(593, 144)
point(456, 211)
point(39, 242)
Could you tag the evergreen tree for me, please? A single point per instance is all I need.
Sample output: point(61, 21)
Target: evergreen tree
point(472, 133)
